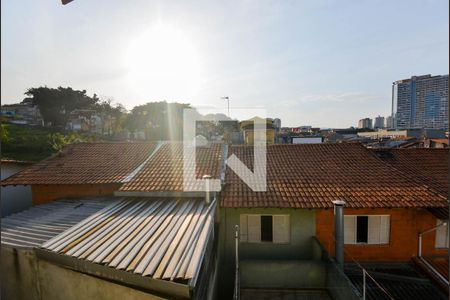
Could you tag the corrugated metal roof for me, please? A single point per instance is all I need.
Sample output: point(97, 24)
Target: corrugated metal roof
point(40, 223)
point(163, 239)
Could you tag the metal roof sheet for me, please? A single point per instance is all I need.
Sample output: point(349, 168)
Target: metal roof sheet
point(163, 239)
point(38, 224)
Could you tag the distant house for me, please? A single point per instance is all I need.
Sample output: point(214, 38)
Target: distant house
point(82, 170)
point(307, 140)
point(249, 131)
point(436, 143)
point(156, 238)
point(22, 113)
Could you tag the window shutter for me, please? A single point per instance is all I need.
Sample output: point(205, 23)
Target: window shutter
point(374, 230)
point(254, 228)
point(349, 229)
point(385, 229)
point(281, 229)
point(441, 236)
point(243, 228)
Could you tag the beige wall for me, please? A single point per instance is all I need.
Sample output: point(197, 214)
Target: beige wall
point(25, 277)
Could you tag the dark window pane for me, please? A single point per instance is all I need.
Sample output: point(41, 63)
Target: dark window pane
point(362, 223)
point(266, 229)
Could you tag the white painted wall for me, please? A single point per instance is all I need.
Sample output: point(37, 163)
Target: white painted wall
point(307, 140)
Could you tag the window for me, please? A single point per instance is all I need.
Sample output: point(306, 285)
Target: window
point(441, 235)
point(366, 229)
point(265, 228)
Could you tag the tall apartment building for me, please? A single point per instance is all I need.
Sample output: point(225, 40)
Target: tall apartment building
point(422, 102)
point(389, 122)
point(365, 123)
point(379, 122)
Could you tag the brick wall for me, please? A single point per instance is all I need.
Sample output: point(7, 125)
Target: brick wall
point(47, 193)
point(403, 244)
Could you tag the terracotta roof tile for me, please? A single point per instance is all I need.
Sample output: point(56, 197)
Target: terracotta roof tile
point(86, 163)
point(428, 166)
point(311, 176)
point(164, 171)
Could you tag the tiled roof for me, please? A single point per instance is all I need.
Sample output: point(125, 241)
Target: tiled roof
point(163, 238)
point(86, 163)
point(312, 176)
point(40, 223)
point(441, 141)
point(428, 166)
point(164, 171)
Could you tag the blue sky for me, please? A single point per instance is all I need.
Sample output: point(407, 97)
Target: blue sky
point(323, 63)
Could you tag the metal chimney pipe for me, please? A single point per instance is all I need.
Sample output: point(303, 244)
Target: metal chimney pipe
point(207, 188)
point(339, 231)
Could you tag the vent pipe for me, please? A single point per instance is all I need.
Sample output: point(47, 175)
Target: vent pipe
point(339, 231)
point(207, 188)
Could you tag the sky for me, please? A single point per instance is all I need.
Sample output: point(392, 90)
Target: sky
point(322, 63)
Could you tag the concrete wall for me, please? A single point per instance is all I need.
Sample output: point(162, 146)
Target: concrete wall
point(294, 274)
point(43, 193)
point(24, 277)
point(406, 223)
point(13, 198)
point(18, 274)
point(302, 223)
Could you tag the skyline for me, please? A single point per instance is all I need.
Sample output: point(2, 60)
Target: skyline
point(270, 55)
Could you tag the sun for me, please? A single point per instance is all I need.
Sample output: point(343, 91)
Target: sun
point(163, 64)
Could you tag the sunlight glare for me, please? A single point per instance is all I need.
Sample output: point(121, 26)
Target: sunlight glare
point(163, 64)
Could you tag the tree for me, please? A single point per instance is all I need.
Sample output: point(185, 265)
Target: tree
point(111, 115)
point(58, 141)
point(56, 105)
point(159, 120)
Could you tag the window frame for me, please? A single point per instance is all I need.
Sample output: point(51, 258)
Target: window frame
point(274, 237)
point(379, 243)
point(439, 230)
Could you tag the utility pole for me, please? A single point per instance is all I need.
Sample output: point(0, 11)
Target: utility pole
point(394, 126)
point(228, 100)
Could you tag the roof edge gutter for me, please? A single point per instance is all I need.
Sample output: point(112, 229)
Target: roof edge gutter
point(149, 284)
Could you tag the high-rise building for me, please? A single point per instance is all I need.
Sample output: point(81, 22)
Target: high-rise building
point(365, 123)
point(422, 102)
point(379, 122)
point(389, 122)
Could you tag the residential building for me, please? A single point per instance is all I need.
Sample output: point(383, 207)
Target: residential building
point(436, 143)
point(365, 123)
point(231, 132)
point(22, 113)
point(389, 122)
point(249, 132)
point(82, 170)
point(14, 198)
point(379, 123)
point(148, 236)
point(307, 140)
point(277, 124)
point(422, 102)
